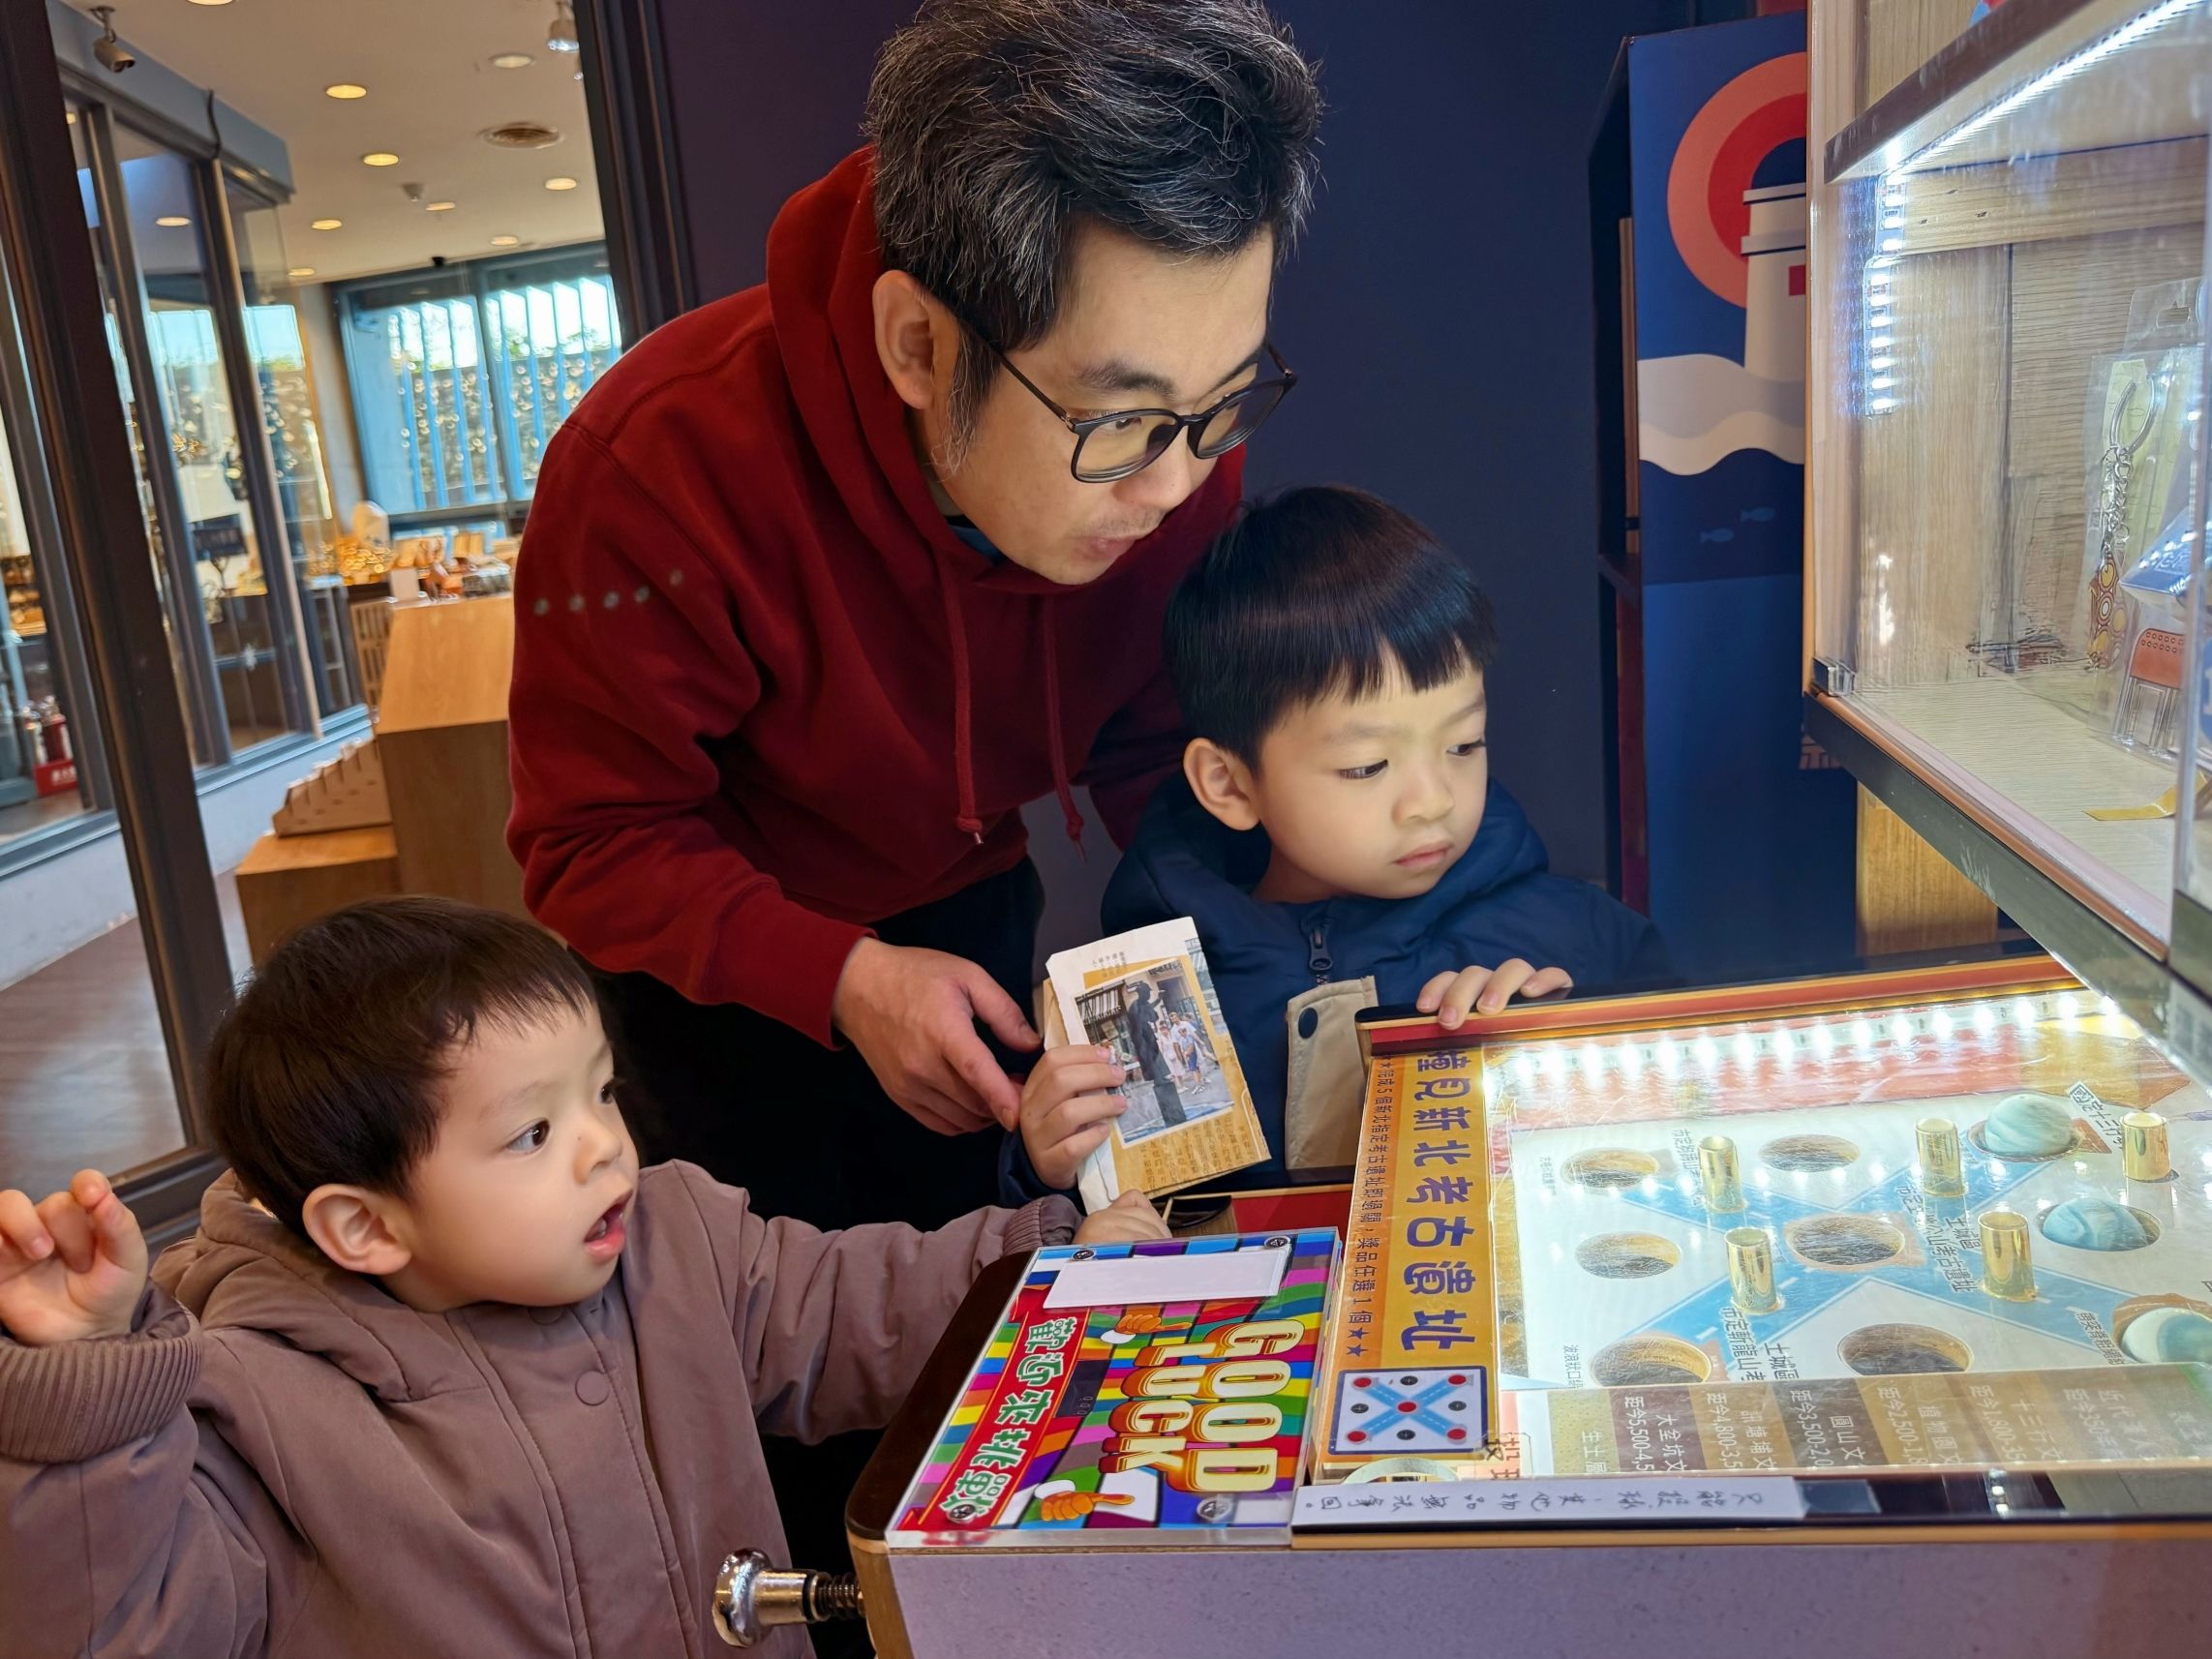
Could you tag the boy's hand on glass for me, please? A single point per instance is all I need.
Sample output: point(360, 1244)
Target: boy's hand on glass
point(1130, 1219)
point(1452, 997)
point(71, 1266)
point(1065, 1114)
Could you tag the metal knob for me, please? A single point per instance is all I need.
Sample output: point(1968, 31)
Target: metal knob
point(751, 1598)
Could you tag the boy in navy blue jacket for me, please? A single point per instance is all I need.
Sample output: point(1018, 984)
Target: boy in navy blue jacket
point(1336, 835)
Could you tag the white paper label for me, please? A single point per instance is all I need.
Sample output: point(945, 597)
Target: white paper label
point(1140, 1281)
point(1594, 1501)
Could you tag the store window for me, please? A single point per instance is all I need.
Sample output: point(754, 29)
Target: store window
point(189, 655)
point(462, 376)
point(42, 712)
point(284, 381)
point(244, 610)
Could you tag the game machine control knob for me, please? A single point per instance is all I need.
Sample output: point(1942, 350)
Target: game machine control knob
point(751, 1598)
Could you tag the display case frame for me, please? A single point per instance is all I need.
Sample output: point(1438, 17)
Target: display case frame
point(2028, 157)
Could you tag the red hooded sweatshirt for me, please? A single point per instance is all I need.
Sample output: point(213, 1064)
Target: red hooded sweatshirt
point(764, 695)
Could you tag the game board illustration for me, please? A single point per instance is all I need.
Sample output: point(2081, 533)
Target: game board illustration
point(2011, 1195)
point(1131, 1388)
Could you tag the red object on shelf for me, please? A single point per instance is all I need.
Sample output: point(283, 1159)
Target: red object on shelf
point(54, 777)
point(1287, 1212)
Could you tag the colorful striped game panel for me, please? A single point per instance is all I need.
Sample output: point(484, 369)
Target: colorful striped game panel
point(1130, 1388)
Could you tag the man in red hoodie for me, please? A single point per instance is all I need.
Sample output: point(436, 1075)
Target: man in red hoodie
point(824, 581)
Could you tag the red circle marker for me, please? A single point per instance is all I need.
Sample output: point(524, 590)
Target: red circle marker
point(1356, 1435)
point(1363, 1382)
point(1408, 1405)
point(1456, 1380)
point(1455, 1433)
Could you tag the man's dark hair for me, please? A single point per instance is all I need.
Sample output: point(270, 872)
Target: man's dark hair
point(1322, 591)
point(1001, 126)
point(327, 1069)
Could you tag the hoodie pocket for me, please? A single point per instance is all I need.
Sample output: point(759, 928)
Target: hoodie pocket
point(1326, 1083)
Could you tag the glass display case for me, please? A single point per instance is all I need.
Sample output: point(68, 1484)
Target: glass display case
point(2007, 391)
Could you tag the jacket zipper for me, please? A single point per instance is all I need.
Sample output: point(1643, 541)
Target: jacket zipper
point(1317, 957)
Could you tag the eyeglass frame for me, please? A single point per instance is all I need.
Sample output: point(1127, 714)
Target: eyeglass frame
point(1188, 426)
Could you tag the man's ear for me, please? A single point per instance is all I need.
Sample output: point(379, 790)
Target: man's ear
point(1222, 783)
point(357, 1230)
point(916, 340)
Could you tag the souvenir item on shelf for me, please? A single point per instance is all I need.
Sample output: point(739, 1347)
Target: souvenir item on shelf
point(2140, 443)
point(2154, 623)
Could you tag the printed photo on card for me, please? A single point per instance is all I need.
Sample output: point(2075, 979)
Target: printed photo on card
point(1147, 995)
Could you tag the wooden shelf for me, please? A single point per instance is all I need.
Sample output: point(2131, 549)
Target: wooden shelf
point(2108, 953)
point(2001, 89)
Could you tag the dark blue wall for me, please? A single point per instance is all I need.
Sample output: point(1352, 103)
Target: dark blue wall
point(1438, 310)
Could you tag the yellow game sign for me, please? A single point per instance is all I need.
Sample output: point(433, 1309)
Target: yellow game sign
point(1414, 1353)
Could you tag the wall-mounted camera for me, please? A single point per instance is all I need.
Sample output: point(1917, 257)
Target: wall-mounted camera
point(114, 55)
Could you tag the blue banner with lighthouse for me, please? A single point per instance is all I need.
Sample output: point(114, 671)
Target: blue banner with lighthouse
point(1750, 832)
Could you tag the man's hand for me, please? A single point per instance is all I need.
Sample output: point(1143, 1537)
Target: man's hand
point(1130, 1219)
point(1064, 1118)
point(912, 1014)
point(1452, 997)
point(71, 1266)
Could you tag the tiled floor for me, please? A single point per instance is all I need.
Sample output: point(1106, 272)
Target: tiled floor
point(84, 1078)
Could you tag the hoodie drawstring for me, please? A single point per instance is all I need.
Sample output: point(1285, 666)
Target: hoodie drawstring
point(1061, 787)
point(963, 737)
point(969, 822)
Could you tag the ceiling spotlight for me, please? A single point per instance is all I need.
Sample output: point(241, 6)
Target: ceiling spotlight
point(327, 224)
point(512, 60)
point(116, 56)
point(210, 2)
point(437, 207)
point(506, 241)
point(379, 158)
point(560, 184)
point(299, 271)
point(172, 222)
point(561, 35)
point(344, 89)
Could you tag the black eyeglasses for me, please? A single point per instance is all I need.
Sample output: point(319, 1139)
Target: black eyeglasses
point(1113, 446)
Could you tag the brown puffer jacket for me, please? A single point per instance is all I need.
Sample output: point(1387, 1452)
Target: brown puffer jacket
point(283, 1460)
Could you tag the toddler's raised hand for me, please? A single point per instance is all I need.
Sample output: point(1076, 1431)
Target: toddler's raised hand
point(1064, 1118)
point(71, 1266)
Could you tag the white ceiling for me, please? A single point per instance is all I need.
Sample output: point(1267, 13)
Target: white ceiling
point(431, 90)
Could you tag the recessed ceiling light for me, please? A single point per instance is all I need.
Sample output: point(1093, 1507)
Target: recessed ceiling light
point(211, 2)
point(172, 221)
point(344, 89)
point(379, 158)
point(560, 184)
point(506, 241)
point(513, 60)
point(437, 207)
point(327, 224)
point(299, 271)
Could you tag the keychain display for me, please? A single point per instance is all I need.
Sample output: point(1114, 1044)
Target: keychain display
point(2132, 424)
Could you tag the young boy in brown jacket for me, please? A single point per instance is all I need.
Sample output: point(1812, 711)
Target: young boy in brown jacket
point(443, 1371)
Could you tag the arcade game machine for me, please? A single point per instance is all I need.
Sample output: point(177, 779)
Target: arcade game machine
point(1861, 1315)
